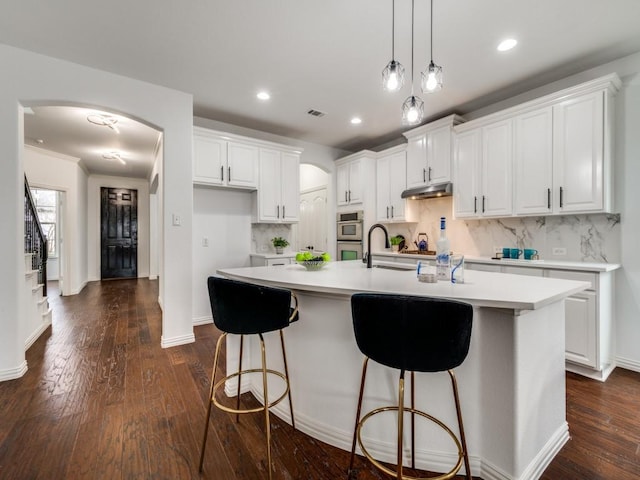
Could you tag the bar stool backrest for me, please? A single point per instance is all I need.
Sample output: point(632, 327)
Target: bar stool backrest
point(412, 333)
point(243, 308)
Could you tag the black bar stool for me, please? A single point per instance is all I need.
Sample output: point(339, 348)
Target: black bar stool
point(414, 334)
point(245, 309)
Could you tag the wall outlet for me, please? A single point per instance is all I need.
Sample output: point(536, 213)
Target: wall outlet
point(176, 220)
point(205, 242)
point(559, 251)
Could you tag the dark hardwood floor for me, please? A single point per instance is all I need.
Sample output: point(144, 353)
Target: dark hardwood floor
point(102, 400)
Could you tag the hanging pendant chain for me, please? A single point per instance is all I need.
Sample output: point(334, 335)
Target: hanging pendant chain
point(431, 20)
point(393, 30)
point(412, 22)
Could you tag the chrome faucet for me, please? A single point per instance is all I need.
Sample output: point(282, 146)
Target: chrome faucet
point(386, 241)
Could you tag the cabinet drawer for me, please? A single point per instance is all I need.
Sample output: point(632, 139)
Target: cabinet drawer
point(590, 277)
point(274, 262)
point(532, 272)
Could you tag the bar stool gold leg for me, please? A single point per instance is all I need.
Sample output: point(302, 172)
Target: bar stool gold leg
point(239, 378)
point(358, 411)
point(400, 423)
point(413, 420)
point(211, 391)
point(286, 372)
point(265, 392)
point(463, 439)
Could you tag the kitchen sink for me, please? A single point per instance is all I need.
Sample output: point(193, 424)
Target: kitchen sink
point(393, 267)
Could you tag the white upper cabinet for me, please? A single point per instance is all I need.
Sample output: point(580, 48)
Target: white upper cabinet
point(278, 197)
point(483, 184)
point(350, 176)
point(429, 151)
point(578, 167)
point(390, 183)
point(533, 162)
point(219, 160)
point(547, 156)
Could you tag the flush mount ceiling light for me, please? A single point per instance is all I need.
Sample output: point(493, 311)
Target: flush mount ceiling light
point(393, 73)
point(507, 44)
point(104, 121)
point(432, 76)
point(263, 95)
point(356, 120)
point(413, 107)
point(114, 156)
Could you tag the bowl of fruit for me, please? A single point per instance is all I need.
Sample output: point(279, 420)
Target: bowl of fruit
point(312, 261)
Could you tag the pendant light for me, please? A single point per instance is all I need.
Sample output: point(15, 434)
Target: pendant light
point(432, 76)
point(413, 107)
point(393, 74)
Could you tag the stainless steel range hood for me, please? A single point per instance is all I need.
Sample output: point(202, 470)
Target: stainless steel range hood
point(430, 191)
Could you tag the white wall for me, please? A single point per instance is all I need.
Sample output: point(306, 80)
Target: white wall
point(313, 177)
point(95, 183)
point(223, 218)
point(61, 172)
point(33, 79)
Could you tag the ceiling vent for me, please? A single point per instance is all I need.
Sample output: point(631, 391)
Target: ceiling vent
point(316, 113)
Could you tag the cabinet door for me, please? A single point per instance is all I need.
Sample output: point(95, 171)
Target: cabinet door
point(533, 162)
point(417, 161)
point(269, 209)
point(383, 207)
point(466, 174)
point(439, 156)
point(290, 181)
point(242, 169)
point(580, 329)
point(578, 153)
point(355, 182)
point(397, 179)
point(209, 160)
point(342, 184)
point(497, 158)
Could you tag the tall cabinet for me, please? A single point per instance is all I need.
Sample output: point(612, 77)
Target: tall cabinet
point(278, 197)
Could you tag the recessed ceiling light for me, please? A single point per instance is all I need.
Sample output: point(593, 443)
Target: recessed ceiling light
point(356, 120)
point(507, 44)
point(263, 95)
point(39, 141)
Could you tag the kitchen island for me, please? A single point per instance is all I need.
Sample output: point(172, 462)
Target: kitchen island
point(512, 384)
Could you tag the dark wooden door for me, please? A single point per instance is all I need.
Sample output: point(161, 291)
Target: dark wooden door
point(119, 232)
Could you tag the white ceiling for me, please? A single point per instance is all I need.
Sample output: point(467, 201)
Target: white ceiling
point(326, 54)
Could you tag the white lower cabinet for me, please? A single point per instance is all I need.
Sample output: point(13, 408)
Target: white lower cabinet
point(262, 260)
point(580, 329)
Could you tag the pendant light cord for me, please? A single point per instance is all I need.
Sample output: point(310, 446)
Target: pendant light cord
point(431, 20)
point(412, 22)
point(393, 30)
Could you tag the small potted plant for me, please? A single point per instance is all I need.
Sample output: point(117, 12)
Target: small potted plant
point(279, 243)
point(395, 243)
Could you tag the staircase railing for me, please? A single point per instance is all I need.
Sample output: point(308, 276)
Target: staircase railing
point(35, 240)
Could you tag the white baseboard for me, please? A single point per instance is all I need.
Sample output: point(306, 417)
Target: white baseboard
point(13, 373)
point(36, 334)
point(75, 291)
point(153, 277)
point(175, 341)
point(202, 320)
point(628, 364)
point(600, 375)
point(539, 464)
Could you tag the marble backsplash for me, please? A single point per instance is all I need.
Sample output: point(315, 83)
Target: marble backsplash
point(262, 233)
point(586, 238)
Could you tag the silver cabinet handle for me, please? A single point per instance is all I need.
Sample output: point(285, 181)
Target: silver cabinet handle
point(549, 198)
point(424, 175)
point(561, 199)
point(221, 173)
point(346, 199)
point(475, 204)
point(349, 195)
point(391, 211)
point(283, 214)
point(483, 199)
point(387, 211)
point(278, 211)
point(229, 174)
point(429, 173)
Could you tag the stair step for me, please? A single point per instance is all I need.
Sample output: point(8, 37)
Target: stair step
point(37, 287)
point(30, 273)
point(42, 300)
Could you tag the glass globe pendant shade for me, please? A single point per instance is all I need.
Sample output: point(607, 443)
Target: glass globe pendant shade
point(432, 78)
point(393, 76)
point(412, 110)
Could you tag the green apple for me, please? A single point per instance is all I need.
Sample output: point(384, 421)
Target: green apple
point(326, 257)
point(300, 257)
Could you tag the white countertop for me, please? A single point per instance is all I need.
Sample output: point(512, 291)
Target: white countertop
point(486, 289)
point(552, 264)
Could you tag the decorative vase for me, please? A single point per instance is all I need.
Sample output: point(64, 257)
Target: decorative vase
point(279, 250)
point(395, 248)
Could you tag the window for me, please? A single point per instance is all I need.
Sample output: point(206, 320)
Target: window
point(47, 207)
